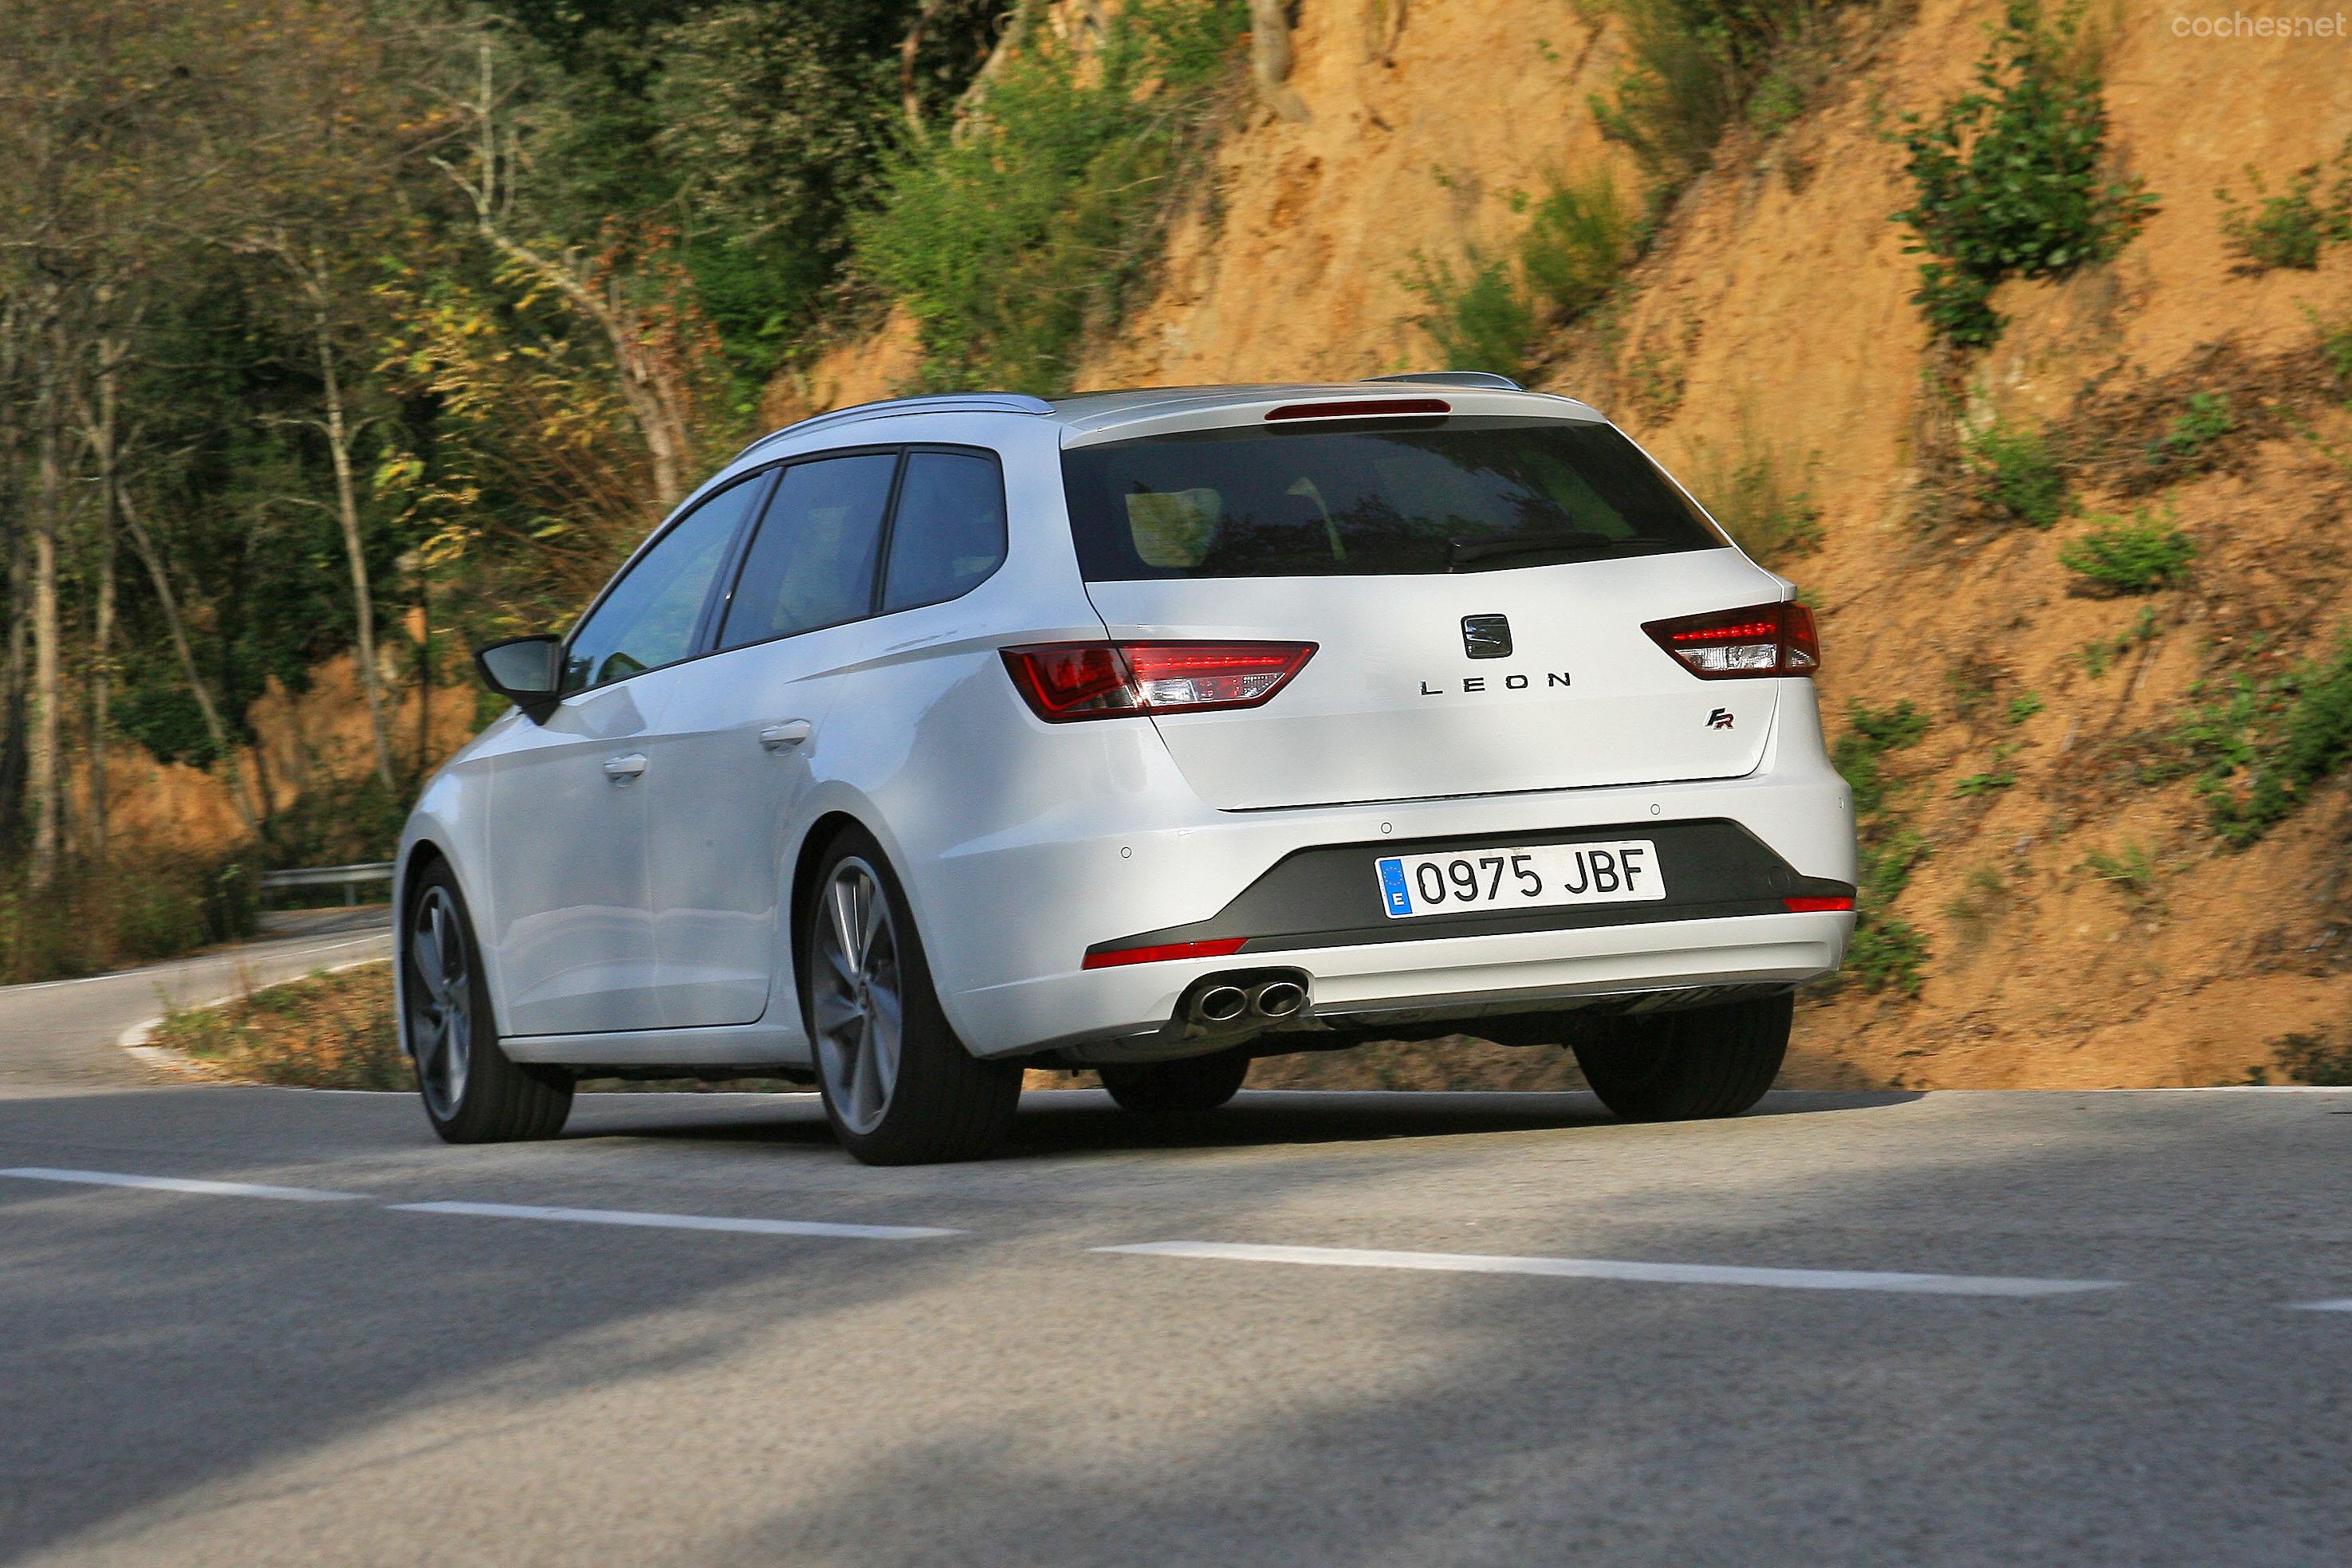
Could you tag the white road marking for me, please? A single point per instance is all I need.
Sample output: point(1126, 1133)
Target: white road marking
point(183, 1184)
point(2343, 1306)
point(1608, 1268)
point(681, 1221)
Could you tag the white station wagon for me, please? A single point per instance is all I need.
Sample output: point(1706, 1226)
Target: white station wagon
point(1143, 731)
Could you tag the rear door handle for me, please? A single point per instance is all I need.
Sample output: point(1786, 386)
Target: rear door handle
point(621, 769)
point(785, 735)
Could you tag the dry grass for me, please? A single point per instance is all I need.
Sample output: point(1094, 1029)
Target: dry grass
point(328, 1031)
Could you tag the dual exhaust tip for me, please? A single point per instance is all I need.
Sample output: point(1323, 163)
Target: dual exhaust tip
point(1228, 1003)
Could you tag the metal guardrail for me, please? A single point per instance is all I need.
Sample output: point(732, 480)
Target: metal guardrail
point(347, 877)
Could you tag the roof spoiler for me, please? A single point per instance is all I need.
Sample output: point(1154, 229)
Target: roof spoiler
point(1455, 379)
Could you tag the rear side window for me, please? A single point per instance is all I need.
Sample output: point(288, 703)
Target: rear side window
point(812, 563)
point(949, 533)
point(1360, 498)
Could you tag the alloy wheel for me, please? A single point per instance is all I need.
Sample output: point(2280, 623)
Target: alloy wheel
point(440, 1002)
point(855, 999)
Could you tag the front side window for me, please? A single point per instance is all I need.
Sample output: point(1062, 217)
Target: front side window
point(812, 563)
point(949, 533)
point(649, 618)
point(1365, 498)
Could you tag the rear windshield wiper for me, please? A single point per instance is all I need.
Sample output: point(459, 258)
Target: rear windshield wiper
point(1576, 546)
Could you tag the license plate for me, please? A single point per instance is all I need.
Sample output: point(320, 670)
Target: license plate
point(1533, 877)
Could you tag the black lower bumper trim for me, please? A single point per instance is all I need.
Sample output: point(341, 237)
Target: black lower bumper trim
point(1328, 896)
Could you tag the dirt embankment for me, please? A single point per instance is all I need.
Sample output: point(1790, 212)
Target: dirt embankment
point(311, 740)
point(1774, 308)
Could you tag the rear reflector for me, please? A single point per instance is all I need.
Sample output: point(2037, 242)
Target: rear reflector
point(1360, 408)
point(1730, 644)
point(1063, 682)
point(1223, 948)
point(1835, 903)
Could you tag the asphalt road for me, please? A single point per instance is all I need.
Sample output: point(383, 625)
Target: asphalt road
point(60, 1034)
point(1368, 1329)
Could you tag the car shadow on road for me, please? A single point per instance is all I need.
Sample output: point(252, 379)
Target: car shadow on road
point(1086, 1121)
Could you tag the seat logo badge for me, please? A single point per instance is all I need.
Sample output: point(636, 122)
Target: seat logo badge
point(1719, 719)
point(1486, 636)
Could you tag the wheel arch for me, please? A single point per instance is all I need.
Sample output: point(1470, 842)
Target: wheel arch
point(421, 854)
point(815, 844)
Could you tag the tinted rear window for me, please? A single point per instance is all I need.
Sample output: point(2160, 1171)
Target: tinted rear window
point(1365, 499)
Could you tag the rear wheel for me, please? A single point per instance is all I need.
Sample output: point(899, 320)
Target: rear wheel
point(473, 1092)
point(1686, 1066)
point(899, 1088)
point(1189, 1087)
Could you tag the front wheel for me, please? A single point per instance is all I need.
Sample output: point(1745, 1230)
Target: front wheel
point(899, 1088)
point(473, 1092)
point(1690, 1065)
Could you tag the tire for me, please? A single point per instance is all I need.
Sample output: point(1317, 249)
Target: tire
point(1186, 1088)
point(473, 1092)
point(920, 1098)
point(1691, 1065)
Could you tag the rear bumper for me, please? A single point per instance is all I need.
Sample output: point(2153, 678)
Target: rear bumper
point(1009, 913)
point(1456, 979)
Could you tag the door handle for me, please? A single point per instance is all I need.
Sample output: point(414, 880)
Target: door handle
point(785, 735)
point(621, 769)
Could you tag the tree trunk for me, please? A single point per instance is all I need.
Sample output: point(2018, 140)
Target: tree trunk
point(656, 401)
point(103, 439)
point(49, 506)
point(12, 689)
point(340, 437)
point(18, 588)
point(239, 799)
point(1270, 58)
point(910, 102)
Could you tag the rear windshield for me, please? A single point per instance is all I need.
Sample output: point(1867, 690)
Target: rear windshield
point(1366, 499)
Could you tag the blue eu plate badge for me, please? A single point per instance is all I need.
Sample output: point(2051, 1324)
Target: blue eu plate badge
point(1396, 891)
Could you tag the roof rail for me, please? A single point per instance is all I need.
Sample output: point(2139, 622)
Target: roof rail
point(1457, 379)
point(944, 403)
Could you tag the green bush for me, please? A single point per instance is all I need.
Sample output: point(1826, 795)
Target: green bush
point(1759, 498)
point(1871, 733)
point(1006, 242)
point(2288, 229)
point(1691, 68)
point(2020, 473)
point(1885, 952)
point(1575, 247)
point(2206, 420)
point(2131, 871)
point(2006, 179)
point(2025, 706)
point(1566, 263)
point(2141, 556)
point(2307, 1059)
point(2288, 736)
point(1991, 783)
point(1482, 321)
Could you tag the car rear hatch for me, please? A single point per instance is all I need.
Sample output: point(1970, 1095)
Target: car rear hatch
point(1476, 589)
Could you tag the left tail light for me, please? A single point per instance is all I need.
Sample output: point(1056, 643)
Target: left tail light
point(1732, 645)
point(1063, 682)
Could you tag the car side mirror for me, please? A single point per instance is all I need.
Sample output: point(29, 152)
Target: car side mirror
point(526, 671)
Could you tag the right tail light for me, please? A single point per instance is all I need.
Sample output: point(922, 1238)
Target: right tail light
point(1734, 645)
